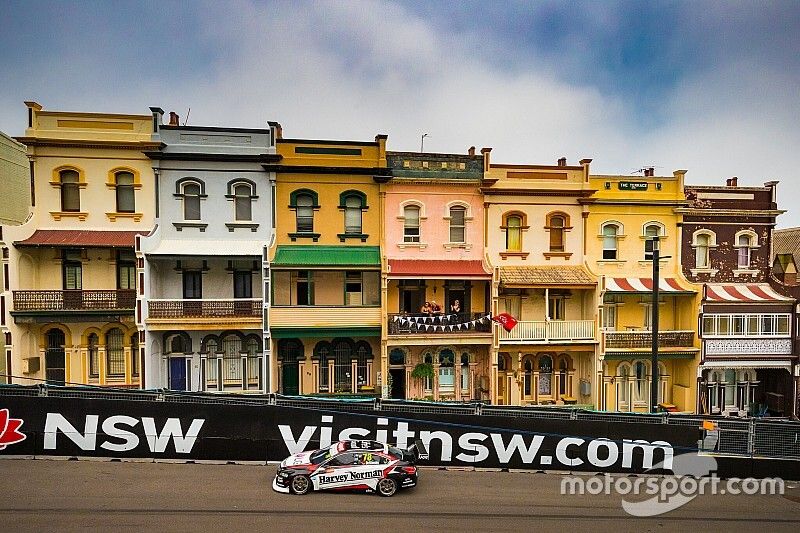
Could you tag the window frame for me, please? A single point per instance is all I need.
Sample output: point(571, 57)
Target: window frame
point(117, 357)
point(608, 237)
point(556, 230)
point(345, 198)
point(648, 239)
point(127, 189)
point(708, 246)
point(411, 238)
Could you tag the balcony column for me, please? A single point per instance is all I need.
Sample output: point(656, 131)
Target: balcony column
point(126, 357)
point(368, 381)
point(315, 374)
point(472, 369)
point(331, 377)
point(457, 381)
point(353, 376)
point(101, 363)
point(547, 314)
point(436, 379)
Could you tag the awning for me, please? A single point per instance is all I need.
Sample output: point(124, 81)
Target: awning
point(288, 256)
point(546, 276)
point(315, 332)
point(662, 356)
point(433, 268)
point(744, 293)
point(748, 363)
point(67, 238)
point(645, 285)
point(231, 248)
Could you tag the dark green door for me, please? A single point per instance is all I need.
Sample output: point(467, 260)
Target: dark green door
point(289, 378)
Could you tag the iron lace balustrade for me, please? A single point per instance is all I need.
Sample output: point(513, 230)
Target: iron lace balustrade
point(75, 300)
point(643, 339)
point(424, 324)
point(233, 308)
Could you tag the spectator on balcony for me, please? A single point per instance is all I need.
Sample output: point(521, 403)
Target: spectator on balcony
point(436, 309)
point(455, 307)
point(426, 309)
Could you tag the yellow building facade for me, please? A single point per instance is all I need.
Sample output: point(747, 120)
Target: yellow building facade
point(71, 283)
point(622, 217)
point(325, 315)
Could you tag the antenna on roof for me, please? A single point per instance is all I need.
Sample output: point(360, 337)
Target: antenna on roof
point(187, 116)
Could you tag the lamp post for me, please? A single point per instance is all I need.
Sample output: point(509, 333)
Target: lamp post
point(654, 328)
point(422, 142)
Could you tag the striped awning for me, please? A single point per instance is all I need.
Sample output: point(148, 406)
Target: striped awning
point(743, 292)
point(645, 285)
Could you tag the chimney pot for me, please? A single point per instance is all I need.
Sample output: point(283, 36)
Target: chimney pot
point(562, 162)
point(649, 172)
point(173, 118)
point(734, 181)
point(471, 150)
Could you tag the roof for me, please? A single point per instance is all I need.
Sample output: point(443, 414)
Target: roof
point(787, 241)
point(327, 256)
point(645, 285)
point(207, 247)
point(437, 267)
point(743, 293)
point(549, 276)
point(67, 238)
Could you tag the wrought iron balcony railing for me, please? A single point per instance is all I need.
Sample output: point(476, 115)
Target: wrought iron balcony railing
point(550, 330)
point(234, 308)
point(644, 339)
point(75, 300)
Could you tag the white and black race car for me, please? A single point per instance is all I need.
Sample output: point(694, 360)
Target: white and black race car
point(351, 465)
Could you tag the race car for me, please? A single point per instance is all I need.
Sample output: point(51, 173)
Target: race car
point(351, 465)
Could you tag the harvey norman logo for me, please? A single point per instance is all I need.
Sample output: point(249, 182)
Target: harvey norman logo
point(504, 447)
point(116, 433)
point(350, 476)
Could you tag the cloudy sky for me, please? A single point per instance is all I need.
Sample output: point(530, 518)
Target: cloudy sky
point(712, 87)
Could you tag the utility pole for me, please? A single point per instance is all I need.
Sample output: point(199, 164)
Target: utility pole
point(654, 327)
point(422, 142)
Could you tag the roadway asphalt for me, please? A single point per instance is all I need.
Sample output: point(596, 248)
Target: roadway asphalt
point(60, 495)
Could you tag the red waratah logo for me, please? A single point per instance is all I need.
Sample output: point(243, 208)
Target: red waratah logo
point(9, 430)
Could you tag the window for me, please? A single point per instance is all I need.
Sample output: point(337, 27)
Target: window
point(464, 373)
point(126, 202)
point(135, 354)
point(242, 284)
point(126, 270)
point(191, 201)
point(746, 325)
point(353, 289)
point(192, 285)
point(115, 353)
point(305, 213)
point(527, 378)
point(243, 201)
point(703, 242)
point(556, 225)
point(303, 287)
point(427, 382)
point(446, 371)
point(650, 231)
point(744, 243)
point(556, 306)
point(411, 224)
point(457, 221)
point(563, 373)
point(610, 303)
point(623, 375)
point(342, 366)
point(610, 235)
point(353, 205)
point(70, 190)
point(94, 363)
point(545, 375)
point(397, 357)
point(641, 385)
point(72, 269)
point(514, 233)
point(363, 353)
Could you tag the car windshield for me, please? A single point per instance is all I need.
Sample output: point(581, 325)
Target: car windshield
point(318, 456)
point(397, 452)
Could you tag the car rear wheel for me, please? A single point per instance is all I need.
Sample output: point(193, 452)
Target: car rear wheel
point(300, 484)
point(387, 487)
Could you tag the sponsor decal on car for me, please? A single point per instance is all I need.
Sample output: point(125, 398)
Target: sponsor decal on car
point(349, 476)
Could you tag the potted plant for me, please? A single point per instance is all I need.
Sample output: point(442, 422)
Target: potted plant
point(422, 371)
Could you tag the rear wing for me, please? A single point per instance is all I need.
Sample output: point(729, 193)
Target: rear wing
point(416, 452)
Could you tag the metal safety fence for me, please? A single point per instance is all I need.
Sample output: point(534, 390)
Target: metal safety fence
point(749, 437)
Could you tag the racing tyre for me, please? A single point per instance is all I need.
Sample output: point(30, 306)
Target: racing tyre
point(300, 484)
point(387, 487)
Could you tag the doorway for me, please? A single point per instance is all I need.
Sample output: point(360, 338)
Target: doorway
point(398, 391)
point(55, 358)
point(177, 373)
point(289, 378)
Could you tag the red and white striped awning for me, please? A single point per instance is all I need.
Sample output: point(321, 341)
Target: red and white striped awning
point(743, 292)
point(645, 285)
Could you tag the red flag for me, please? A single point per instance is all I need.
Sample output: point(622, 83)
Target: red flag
point(507, 321)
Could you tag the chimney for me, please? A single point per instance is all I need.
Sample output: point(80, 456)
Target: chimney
point(471, 151)
point(728, 182)
point(173, 119)
point(649, 172)
point(733, 182)
point(485, 153)
point(562, 161)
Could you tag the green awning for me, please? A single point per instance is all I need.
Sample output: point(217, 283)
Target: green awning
point(304, 256)
point(292, 333)
point(662, 356)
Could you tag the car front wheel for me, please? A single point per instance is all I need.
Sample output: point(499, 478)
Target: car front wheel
point(387, 487)
point(300, 484)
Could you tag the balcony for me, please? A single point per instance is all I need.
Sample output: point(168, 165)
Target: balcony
point(325, 318)
point(639, 340)
point(550, 331)
point(74, 300)
point(450, 324)
point(200, 309)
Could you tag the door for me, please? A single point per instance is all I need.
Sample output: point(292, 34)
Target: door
point(242, 289)
point(398, 391)
point(192, 290)
point(54, 359)
point(177, 373)
point(289, 378)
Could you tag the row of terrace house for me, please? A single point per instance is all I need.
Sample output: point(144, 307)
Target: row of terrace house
point(229, 259)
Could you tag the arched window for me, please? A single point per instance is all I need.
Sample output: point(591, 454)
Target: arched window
point(94, 362)
point(115, 353)
point(457, 223)
point(465, 373)
point(610, 234)
point(70, 190)
point(623, 375)
point(305, 213)
point(397, 357)
point(178, 345)
point(514, 233)
point(322, 352)
point(563, 374)
point(650, 231)
point(556, 226)
point(545, 375)
point(745, 242)
point(446, 371)
point(54, 357)
point(290, 350)
point(502, 366)
point(191, 201)
point(527, 380)
point(427, 382)
point(411, 223)
point(243, 201)
point(363, 354)
point(353, 205)
point(126, 201)
point(703, 242)
point(343, 368)
point(641, 385)
point(231, 345)
point(135, 354)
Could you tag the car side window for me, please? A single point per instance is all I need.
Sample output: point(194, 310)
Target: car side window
point(343, 459)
